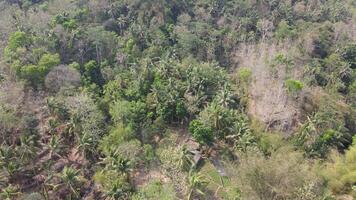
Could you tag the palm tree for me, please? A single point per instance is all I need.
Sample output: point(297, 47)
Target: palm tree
point(196, 183)
point(48, 185)
point(70, 179)
point(117, 163)
point(185, 161)
point(73, 125)
point(54, 146)
point(215, 114)
point(114, 192)
point(85, 144)
point(122, 23)
point(112, 184)
point(8, 160)
point(28, 147)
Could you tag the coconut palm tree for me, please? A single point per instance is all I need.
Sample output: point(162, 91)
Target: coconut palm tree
point(117, 163)
point(70, 179)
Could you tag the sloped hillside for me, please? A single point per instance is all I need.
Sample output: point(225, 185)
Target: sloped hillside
point(168, 99)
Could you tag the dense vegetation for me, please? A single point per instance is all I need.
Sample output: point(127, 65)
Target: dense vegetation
point(168, 99)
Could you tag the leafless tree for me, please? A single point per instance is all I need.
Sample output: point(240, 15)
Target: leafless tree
point(61, 76)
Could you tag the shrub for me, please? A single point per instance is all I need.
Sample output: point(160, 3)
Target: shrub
point(349, 54)
point(341, 172)
point(284, 31)
point(327, 127)
point(221, 119)
point(131, 113)
point(48, 61)
point(201, 133)
point(8, 122)
point(117, 135)
point(156, 190)
point(280, 176)
point(35, 74)
point(92, 74)
point(113, 184)
point(148, 153)
point(323, 41)
point(245, 74)
point(293, 86)
point(18, 39)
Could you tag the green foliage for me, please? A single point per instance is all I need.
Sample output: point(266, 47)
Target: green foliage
point(113, 184)
point(284, 31)
point(71, 180)
point(340, 173)
point(284, 174)
point(64, 19)
point(196, 184)
point(35, 74)
point(280, 59)
point(92, 74)
point(116, 136)
point(349, 54)
point(242, 136)
point(16, 40)
point(150, 68)
point(131, 113)
point(244, 74)
point(129, 45)
point(148, 153)
point(323, 41)
point(269, 143)
point(105, 43)
point(335, 11)
point(202, 133)
point(57, 108)
point(294, 86)
point(48, 61)
point(156, 190)
point(325, 129)
point(86, 122)
point(221, 119)
point(333, 73)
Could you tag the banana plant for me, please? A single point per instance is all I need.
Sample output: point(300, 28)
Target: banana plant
point(196, 184)
point(185, 161)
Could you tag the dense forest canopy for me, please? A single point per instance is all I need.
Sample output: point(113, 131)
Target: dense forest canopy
point(168, 99)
